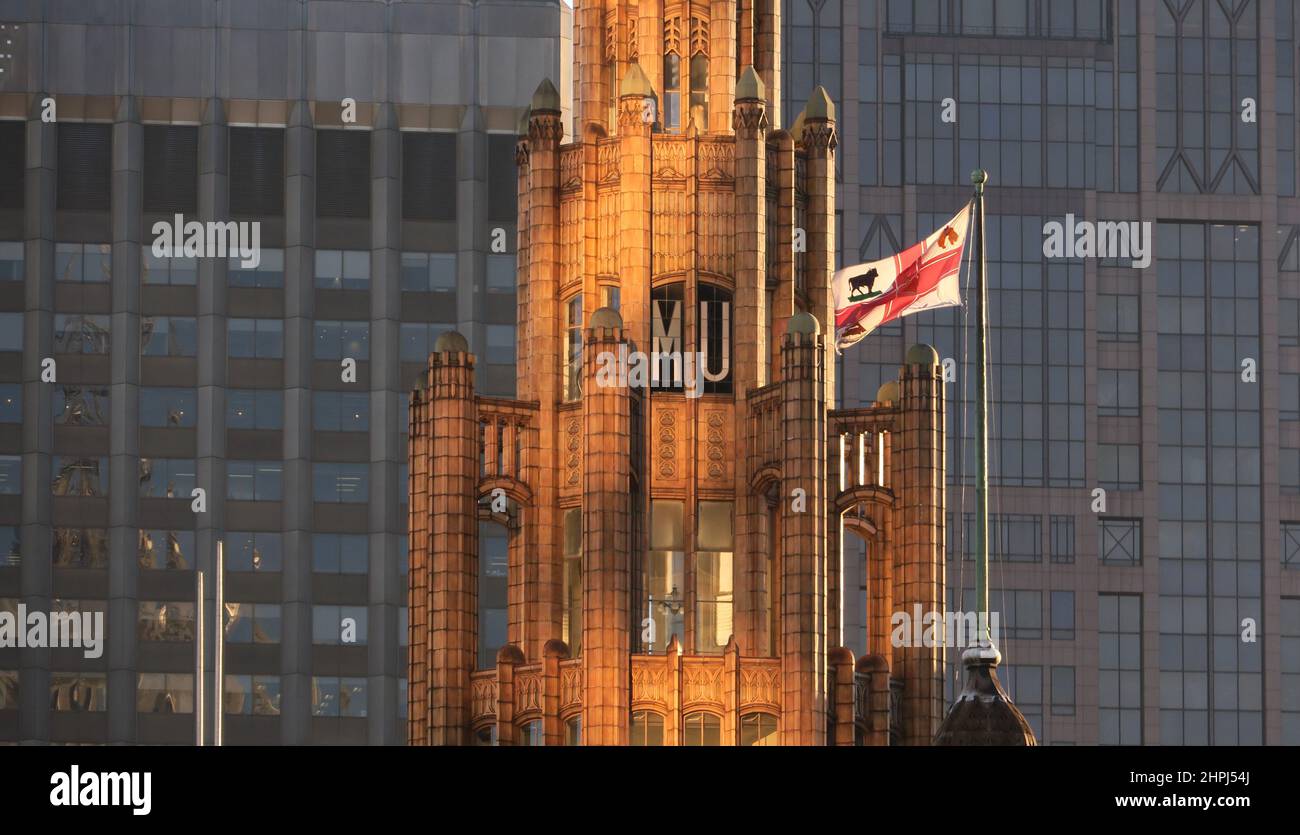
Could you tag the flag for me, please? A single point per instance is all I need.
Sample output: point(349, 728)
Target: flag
point(921, 277)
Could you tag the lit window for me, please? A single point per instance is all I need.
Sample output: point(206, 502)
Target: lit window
point(78, 692)
point(250, 551)
point(573, 348)
point(253, 623)
point(758, 729)
point(646, 729)
point(164, 693)
point(173, 550)
point(346, 483)
point(335, 696)
point(253, 695)
point(714, 596)
point(165, 621)
point(572, 625)
point(665, 575)
point(701, 729)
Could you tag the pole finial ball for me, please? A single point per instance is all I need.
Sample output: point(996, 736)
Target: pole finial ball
point(979, 176)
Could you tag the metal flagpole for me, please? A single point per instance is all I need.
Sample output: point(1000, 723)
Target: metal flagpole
point(219, 647)
point(199, 678)
point(979, 177)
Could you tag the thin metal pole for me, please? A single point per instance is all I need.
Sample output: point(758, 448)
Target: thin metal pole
point(979, 177)
point(199, 678)
point(219, 648)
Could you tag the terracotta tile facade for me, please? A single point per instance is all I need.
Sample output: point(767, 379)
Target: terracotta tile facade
point(712, 201)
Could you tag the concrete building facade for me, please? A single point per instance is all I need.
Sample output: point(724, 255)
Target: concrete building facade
point(672, 541)
point(374, 144)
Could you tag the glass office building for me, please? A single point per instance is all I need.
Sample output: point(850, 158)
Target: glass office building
point(381, 226)
point(1170, 617)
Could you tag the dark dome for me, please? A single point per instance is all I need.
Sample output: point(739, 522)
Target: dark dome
point(983, 714)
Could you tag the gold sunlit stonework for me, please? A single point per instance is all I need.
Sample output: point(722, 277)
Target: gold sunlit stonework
point(674, 548)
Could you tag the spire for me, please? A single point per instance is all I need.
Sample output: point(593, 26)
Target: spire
point(635, 83)
point(546, 97)
point(819, 105)
point(750, 86)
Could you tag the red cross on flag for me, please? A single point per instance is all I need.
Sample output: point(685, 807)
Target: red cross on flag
point(922, 277)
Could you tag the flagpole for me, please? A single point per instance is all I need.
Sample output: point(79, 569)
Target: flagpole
point(979, 178)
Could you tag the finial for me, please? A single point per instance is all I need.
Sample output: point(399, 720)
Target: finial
point(749, 87)
point(635, 83)
point(546, 97)
point(979, 177)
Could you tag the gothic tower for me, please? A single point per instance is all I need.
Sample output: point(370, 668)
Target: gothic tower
point(674, 479)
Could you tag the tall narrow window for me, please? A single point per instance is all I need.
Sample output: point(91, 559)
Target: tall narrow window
point(611, 84)
point(666, 331)
point(700, 91)
point(672, 115)
point(715, 338)
point(493, 547)
point(665, 574)
point(573, 580)
point(770, 593)
point(713, 578)
point(573, 349)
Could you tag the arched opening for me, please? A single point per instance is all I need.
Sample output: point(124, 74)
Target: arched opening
point(758, 729)
point(700, 90)
point(700, 729)
point(646, 728)
point(573, 730)
point(530, 734)
point(672, 115)
point(493, 582)
point(866, 578)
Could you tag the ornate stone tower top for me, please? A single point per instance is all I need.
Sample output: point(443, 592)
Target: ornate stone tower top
point(690, 52)
point(673, 563)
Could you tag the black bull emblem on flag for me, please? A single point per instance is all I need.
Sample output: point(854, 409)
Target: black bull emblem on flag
point(866, 282)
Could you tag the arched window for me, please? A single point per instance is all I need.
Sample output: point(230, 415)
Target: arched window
point(572, 616)
point(758, 729)
point(486, 735)
point(700, 90)
point(647, 728)
point(493, 570)
point(667, 330)
point(573, 730)
point(702, 729)
point(530, 734)
point(715, 338)
point(672, 115)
